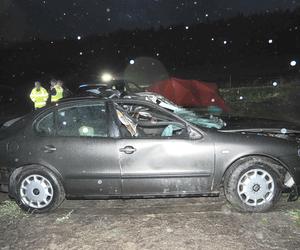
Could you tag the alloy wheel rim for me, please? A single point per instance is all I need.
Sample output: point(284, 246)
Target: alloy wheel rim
point(256, 187)
point(36, 191)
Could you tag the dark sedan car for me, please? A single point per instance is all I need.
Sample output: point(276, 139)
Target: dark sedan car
point(92, 148)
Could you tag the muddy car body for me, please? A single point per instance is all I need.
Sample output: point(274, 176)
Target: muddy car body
point(92, 148)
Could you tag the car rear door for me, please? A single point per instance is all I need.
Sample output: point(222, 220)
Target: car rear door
point(82, 150)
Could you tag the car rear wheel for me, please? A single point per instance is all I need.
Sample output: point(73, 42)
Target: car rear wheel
point(252, 186)
point(38, 190)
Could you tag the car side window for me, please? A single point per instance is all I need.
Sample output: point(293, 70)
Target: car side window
point(45, 126)
point(83, 120)
point(151, 123)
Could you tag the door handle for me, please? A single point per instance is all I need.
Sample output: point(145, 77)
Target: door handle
point(128, 150)
point(49, 149)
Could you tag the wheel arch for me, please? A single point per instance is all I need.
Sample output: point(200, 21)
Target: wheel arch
point(274, 162)
point(18, 170)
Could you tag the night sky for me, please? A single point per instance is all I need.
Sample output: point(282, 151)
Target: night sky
point(23, 20)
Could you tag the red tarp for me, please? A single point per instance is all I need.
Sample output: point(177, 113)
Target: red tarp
point(190, 93)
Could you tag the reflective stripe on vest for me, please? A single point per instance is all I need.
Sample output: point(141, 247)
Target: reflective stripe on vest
point(39, 104)
point(58, 95)
point(39, 97)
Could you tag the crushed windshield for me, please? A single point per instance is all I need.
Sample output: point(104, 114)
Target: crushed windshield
point(199, 120)
point(190, 116)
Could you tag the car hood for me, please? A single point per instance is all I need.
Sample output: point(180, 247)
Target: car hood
point(262, 127)
point(247, 123)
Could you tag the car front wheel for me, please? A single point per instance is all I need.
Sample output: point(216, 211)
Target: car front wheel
point(38, 190)
point(252, 186)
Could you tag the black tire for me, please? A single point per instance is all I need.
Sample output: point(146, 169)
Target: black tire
point(58, 193)
point(236, 172)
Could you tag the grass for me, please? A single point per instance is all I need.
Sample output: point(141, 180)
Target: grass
point(295, 215)
point(9, 209)
point(263, 101)
point(264, 220)
point(64, 218)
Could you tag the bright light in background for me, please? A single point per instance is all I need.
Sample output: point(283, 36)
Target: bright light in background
point(131, 61)
point(283, 130)
point(293, 63)
point(224, 42)
point(270, 41)
point(106, 77)
point(78, 37)
point(275, 84)
point(187, 27)
point(241, 98)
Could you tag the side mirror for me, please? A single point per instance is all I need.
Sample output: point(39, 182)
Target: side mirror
point(193, 134)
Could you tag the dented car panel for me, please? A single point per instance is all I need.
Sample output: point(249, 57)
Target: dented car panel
point(193, 161)
point(166, 166)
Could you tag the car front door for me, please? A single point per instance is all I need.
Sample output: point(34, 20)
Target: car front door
point(166, 164)
point(82, 150)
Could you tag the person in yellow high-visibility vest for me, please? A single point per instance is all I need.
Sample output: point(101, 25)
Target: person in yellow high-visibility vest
point(57, 92)
point(39, 96)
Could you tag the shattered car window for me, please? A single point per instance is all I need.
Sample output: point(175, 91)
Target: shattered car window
point(145, 113)
point(150, 122)
point(186, 114)
point(190, 116)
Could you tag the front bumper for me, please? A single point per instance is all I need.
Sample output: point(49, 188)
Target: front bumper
point(4, 178)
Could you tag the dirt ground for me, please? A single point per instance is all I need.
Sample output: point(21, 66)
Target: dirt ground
point(186, 223)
